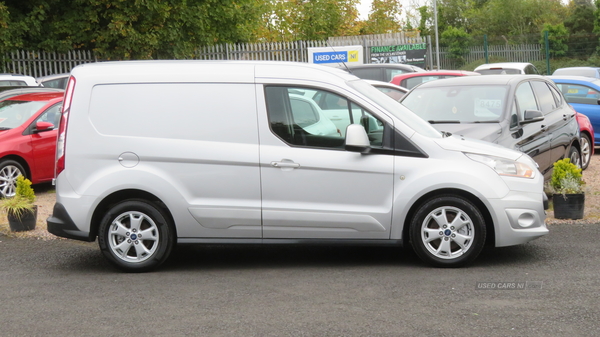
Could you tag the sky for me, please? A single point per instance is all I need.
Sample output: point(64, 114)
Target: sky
point(363, 9)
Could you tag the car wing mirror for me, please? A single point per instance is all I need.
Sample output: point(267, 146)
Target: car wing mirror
point(43, 126)
point(598, 101)
point(532, 116)
point(357, 139)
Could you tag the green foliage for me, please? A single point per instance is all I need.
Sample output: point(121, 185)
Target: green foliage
point(458, 42)
point(23, 189)
point(287, 20)
point(566, 178)
point(580, 18)
point(384, 17)
point(557, 38)
point(22, 201)
point(135, 29)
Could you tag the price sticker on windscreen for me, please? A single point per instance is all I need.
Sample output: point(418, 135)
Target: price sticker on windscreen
point(488, 107)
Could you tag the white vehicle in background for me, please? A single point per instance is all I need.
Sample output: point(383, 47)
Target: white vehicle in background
point(507, 68)
point(15, 80)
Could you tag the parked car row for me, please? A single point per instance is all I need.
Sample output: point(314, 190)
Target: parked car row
point(534, 138)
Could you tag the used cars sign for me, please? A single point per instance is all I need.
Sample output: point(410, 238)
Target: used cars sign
point(335, 55)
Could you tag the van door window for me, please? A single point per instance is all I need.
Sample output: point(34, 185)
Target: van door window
point(317, 118)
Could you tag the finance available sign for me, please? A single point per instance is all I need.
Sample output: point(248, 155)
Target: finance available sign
point(336, 55)
point(413, 54)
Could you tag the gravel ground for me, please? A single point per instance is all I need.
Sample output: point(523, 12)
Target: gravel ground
point(45, 197)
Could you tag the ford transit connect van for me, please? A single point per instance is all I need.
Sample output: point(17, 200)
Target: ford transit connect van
point(155, 153)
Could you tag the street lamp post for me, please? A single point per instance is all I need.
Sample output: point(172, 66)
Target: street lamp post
point(437, 44)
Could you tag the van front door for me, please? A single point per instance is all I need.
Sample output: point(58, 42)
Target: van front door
point(311, 187)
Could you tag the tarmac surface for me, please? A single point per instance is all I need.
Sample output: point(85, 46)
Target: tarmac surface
point(548, 287)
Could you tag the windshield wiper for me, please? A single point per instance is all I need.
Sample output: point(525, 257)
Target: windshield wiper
point(443, 122)
point(446, 134)
point(485, 122)
point(4, 128)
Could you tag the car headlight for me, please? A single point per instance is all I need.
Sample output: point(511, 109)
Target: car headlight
point(503, 166)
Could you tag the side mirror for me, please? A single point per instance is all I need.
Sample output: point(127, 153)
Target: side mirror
point(43, 126)
point(357, 139)
point(598, 101)
point(532, 116)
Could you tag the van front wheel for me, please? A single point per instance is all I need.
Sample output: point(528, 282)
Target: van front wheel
point(135, 236)
point(447, 231)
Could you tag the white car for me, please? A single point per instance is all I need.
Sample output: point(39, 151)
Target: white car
point(15, 80)
point(507, 68)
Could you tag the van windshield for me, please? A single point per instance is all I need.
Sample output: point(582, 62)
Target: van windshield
point(398, 110)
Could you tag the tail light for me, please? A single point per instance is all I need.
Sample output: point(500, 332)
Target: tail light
point(62, 128)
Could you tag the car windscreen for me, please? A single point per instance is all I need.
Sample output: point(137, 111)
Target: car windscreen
point(393, 107)
point(15, 113)
point(458, 104)
point(501, 71)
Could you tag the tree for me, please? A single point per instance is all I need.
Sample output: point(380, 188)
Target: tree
point(135, 29)
point(287, 20)
point(457, 40)
point(384, 17)
point(581, 17)
point(558, 37)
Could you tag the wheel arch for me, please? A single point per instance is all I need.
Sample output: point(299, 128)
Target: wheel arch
point(21, 161)
point(122, 195)
point(487, 217)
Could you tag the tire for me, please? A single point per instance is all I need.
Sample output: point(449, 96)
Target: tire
point(447, 231)
point(586, 150)
point(135, 236)
point(575, 156)
point(9, 171)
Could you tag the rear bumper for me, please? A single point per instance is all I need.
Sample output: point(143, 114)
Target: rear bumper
point(61, 224)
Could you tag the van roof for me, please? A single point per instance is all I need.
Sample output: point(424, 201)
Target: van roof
point(191, 71)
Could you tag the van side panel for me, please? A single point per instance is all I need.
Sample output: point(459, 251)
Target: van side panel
point(194, 145)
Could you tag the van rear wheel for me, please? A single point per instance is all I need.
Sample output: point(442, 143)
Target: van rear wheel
point(447, 231)
point(135, 236)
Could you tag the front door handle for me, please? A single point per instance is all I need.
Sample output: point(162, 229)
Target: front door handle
point(285, 164)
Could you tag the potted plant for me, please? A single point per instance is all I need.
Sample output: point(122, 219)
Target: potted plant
point(20, 210)
point(567, 188)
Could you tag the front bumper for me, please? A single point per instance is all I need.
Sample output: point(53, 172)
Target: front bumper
point(519, 218)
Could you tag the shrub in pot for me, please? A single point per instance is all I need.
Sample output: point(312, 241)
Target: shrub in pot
point(567, 188)
point(20, 210)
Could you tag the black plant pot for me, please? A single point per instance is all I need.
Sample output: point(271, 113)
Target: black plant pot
point(24, 223)
point(568, 206)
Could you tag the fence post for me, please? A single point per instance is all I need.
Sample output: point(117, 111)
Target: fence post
point(547, 52)
point(485, 48)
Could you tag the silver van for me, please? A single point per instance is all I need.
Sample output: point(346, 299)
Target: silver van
point(155, 153)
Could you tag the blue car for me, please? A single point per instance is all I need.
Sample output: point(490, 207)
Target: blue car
point(583, 93)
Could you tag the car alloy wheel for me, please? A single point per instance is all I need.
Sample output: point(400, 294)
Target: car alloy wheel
point(135, 235)
point(9, 171)
point(586, 151)
point(447, 231)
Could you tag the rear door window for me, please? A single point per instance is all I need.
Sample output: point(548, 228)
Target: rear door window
point(544, 95)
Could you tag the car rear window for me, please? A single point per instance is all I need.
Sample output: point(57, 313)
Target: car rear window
point(501, 71)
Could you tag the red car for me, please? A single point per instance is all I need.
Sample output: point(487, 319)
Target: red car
point(410, 80)
point(28, 130)
point(586, 139)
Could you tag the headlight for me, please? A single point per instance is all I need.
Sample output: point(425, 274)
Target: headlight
point(504, 167)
